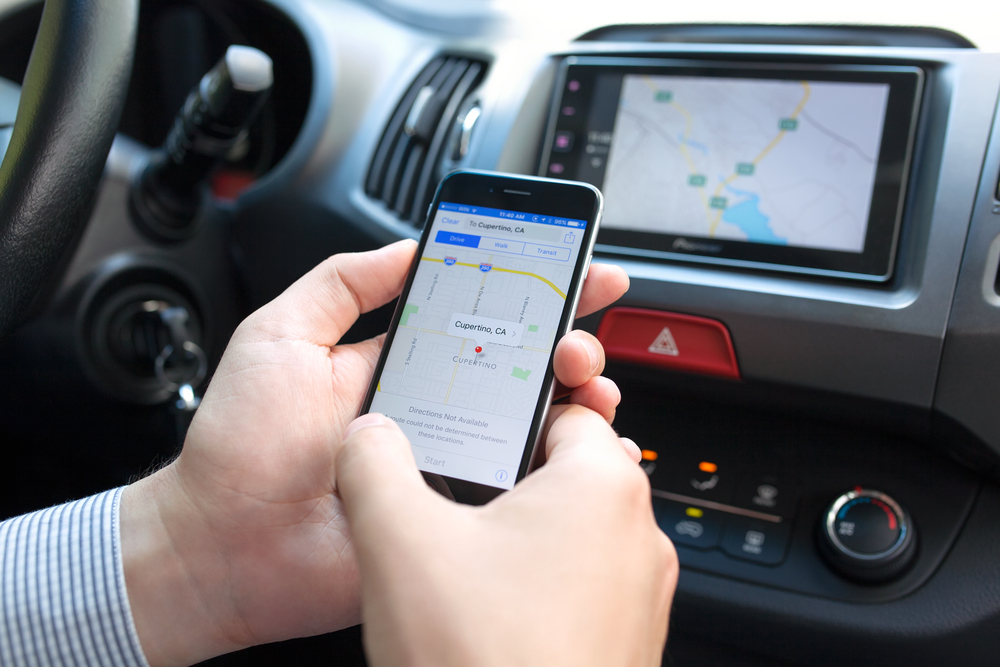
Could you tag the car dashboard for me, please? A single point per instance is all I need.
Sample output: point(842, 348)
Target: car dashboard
point(777, 409)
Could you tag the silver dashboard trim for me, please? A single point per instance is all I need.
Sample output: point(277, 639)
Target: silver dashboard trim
point(712, 505)
point(990, 273)
point(905, 535)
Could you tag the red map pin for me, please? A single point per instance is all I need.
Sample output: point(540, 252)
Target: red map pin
point(479, 349)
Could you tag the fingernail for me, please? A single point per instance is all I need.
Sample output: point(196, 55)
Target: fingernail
point(594, 354)
point(631, 449)
point(364, 421)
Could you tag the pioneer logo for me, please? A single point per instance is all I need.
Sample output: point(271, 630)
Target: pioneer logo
point(695, 246)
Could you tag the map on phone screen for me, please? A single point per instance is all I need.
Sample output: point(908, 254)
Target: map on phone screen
point(469, 357)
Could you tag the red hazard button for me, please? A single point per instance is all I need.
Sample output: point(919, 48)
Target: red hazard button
point(670, 340)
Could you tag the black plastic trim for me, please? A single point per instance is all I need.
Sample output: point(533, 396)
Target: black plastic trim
point(799, 34)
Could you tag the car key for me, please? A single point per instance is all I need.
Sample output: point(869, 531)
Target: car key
point(180, 367)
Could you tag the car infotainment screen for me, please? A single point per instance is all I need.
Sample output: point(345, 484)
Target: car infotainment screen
point(771, 167)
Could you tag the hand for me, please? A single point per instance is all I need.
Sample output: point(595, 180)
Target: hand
point(241, 540)
point(568, 568)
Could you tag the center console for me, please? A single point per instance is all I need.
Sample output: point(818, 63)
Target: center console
point(781, 214)
point(746, 493)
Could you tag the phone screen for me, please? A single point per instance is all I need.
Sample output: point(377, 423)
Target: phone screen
point(470, 356)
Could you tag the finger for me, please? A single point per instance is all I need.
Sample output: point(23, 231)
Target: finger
point(377, 479)
point(323, 304)
point(579, 356)
point(599, 394)
point(367, 353)
point(555, 411)
point(353, 366)
point(605, 284)
point(632, 449)
point(575, 427)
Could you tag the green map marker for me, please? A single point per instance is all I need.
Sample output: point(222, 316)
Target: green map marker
point(788, 124)
point(408, 309)
point(664, 96)
point(718, 202)
point(520, 374)
point(744, 169)
point(697, 180)
point(532, 327)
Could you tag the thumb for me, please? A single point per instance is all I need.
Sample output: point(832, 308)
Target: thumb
point(378, 482)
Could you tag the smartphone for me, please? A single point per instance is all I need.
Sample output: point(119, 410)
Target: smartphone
point(466, 370)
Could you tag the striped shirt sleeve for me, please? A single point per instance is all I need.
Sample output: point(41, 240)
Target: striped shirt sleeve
point(62, 588)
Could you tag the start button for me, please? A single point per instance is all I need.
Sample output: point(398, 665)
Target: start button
point(670, 340)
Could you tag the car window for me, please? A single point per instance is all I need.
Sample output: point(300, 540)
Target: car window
point(563, 20)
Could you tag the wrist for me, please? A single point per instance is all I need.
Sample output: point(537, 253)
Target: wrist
point(174, 574)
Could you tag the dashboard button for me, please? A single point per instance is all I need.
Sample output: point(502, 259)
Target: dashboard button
point(766, 493)
point(669, 340)
point(755, 540)
point(688, 525)
point(657, 465)
point(563, 142)
point(700, 478)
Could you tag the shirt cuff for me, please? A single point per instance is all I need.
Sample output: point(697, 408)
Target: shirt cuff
point(62, 587)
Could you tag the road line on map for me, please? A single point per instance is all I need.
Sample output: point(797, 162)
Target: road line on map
point(782, 133)
point(497, 268)
point(692, 167)
point(760, 156)
point(418, 330)
point(482, 284)
point(454, 373)
point(533, 275)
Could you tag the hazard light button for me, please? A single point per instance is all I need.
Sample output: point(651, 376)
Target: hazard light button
point(670, 340)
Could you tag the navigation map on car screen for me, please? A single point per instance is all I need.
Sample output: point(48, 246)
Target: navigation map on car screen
point(466, 366)
point(761, 160)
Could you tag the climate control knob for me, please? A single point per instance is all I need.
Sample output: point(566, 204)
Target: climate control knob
point(865, 535)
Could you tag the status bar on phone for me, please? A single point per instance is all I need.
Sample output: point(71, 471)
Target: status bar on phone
point(517, 216)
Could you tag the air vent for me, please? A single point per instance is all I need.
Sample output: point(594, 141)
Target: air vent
point(406, 167)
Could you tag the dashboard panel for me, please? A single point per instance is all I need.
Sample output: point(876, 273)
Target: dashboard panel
point(836, 383)
point(832, 335)
point(831, 369)
point(855, 375)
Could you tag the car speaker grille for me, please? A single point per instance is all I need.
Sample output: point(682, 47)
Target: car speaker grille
point(405, 170)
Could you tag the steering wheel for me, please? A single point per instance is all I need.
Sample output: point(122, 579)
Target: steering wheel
point(71, 102)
